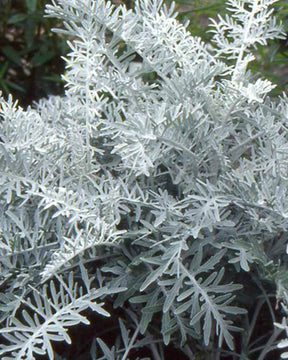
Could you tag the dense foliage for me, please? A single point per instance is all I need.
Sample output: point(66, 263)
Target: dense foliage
point(153, 192)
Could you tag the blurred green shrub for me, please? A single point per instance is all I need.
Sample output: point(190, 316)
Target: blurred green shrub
point(30, 62)
point(198, 13)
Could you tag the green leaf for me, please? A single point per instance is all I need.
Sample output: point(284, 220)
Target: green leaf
point(42, 58)
point(12, 54)
point(54, 78)
point(3, 69)
point(16, 18)
point(4, 87)
point(31, 5)
point(30, 28)
point(15, 86)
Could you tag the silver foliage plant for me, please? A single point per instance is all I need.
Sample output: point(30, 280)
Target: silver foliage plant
point(157, 184)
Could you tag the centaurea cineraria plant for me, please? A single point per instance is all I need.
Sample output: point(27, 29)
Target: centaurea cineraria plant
point(156, 185)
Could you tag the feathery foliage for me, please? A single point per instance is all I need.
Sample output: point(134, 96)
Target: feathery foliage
point(156, 185)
